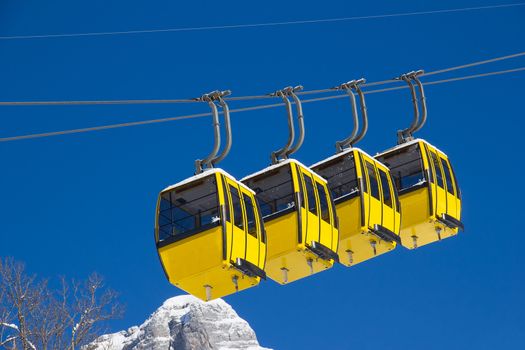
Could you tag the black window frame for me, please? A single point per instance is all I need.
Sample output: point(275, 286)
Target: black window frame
point(373, 188)
point(251, 226)
point(226, 200)
point(323, 201)
point(343, 184)
point(385, 187)
point(310, 192)
point(448, 176)
point(175, 228)
point(235, 195)
point(437, 177)
point(270, 207)
point(364, 182)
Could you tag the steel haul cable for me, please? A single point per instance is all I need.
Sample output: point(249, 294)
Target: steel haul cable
point(242, 98)
point(253, 108)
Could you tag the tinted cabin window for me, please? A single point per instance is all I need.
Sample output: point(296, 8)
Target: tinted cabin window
point(250, 215)
point(363, 174)
point(226, 201)
point(312, 204)
point(341, 176)
point(323, 202)
point(448, 176)
point(374, 186)
point(396, 195)
point(274, 190)
point(406, 167)
point(387, 195)
point(237, 208)
point(189, 209)
point(437, 169)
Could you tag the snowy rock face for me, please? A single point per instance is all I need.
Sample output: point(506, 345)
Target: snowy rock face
point(184, 323)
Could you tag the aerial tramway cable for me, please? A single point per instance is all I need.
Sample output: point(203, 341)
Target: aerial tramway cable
point(238, 110)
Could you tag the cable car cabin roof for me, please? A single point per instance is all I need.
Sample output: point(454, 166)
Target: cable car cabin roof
point(406, 144)
point(341, 154)
point(278, 165)
point(202, 175)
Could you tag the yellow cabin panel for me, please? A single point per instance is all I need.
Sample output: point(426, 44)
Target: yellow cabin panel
point(281, 235)
point(196, 253)
point(356, 242)
point(196, 262)
point(286, 260)
point(220, 280)
point(418, 228)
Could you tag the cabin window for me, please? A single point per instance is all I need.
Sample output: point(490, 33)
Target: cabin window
point(395, 193)
point(237, 208)
point(363, 178)
point(374, 186)
point(226, 202)
point(310, 193)
point(274, 191)
point(189, 209)
point(323, 202)
point(448, 176)
point(250, 215)
point(341, 176)
point(406, 167)
point(387, 195)
point(437, 169)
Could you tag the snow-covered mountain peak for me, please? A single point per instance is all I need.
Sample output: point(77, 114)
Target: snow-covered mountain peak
point(183, 323)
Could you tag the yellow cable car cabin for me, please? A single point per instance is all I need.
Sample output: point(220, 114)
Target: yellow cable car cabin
point(210, 236)
point(366, 204)
point(208, 229)
point(299, 219)
point(427, 187)
point(364, 194)
point(428, 191)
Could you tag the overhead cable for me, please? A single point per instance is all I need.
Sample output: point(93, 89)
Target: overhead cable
point(239, 98)
point(238, 110)
point(266, 24)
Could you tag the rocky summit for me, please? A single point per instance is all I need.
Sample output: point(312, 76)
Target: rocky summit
point(184, 323)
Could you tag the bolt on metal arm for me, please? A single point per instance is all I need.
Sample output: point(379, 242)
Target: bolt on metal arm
point(354, 137)
point(422, 100)
point(201, 163)
point(406, 134)
point(226, 112)
point(300, 119)
point(291, 132)
point(211, 159)
point(364, 111)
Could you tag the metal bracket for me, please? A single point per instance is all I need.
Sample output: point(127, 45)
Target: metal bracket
point(409, 78)
point(285, 151)
point(212, 98)
point(350, 87)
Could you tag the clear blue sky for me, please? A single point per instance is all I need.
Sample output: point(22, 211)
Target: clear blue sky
point(70, 205)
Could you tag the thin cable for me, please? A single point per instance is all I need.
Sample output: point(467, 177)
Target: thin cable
point(501, 58)
point(375, 83)
point(268, 24)
point(240, 98)
point(108, 102)
point(253, 108)
point(450, 69)
point(427, 83)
